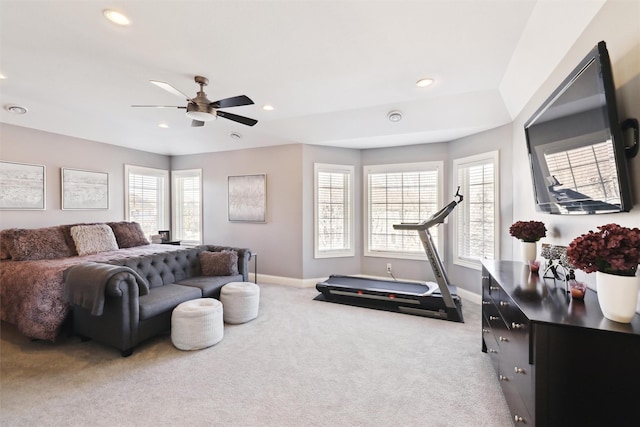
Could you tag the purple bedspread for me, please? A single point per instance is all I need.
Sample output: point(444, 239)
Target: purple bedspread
point(31, 292)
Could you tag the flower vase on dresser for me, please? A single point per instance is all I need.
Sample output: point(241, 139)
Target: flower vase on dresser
point(529, 251)
point(612, 252)
point(617, 296)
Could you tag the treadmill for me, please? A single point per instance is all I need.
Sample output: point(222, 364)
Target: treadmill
point(438, 300)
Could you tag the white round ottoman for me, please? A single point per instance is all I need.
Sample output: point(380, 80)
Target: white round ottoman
point(240, 301)
point(197, 324)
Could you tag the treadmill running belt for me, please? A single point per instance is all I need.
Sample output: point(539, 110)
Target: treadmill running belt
point(381, 285)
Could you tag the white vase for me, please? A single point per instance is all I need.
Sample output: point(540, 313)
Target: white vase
point(617, 296)
point(529, 251)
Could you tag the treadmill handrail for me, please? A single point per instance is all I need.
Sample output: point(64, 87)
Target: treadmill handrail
point(435, 219)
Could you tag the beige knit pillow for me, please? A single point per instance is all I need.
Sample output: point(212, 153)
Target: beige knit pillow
point(92, 239)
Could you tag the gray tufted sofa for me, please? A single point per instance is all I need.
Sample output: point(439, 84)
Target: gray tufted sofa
point(141, 293)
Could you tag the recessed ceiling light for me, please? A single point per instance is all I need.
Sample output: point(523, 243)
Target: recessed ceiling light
point(2, 77)
point(163, 126)
point(235, 135)
point(424, 82)
point(394, 116)
point(116, 17)
point(267, 107)
point(16, 109)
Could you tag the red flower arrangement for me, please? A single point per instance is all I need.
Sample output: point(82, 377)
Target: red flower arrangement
point(613, 249)
point(528, 231)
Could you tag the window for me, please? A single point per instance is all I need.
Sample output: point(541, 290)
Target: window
point(147, 198)
point(333, 213)
point(476, 218)
point(186, 191)
point(400, 193)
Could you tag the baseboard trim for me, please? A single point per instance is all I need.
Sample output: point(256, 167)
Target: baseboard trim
point(310, 283)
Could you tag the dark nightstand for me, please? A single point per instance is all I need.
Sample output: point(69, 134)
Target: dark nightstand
point(172, 242)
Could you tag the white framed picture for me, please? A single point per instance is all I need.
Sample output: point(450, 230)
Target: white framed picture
point(248, 198)
point(83, 189)
point(22, 186)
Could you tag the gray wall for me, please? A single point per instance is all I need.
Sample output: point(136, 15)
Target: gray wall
point(617, 25)
point(23, 145)
point(279, 241)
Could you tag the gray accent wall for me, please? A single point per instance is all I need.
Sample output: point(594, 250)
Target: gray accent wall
point(24, 145)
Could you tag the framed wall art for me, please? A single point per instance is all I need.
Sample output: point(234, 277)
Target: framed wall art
point(248, 198)
point(22, 186)
point(83, 189)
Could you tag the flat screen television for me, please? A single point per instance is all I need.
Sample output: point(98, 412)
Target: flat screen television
point(575, 144)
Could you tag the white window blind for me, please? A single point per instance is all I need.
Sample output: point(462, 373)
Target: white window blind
point(333, 211)
point(476, 217)
point(400, 193)
point(147, 198)
point(187, 206)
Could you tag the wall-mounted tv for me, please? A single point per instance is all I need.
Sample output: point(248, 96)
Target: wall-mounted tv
point(575, 144)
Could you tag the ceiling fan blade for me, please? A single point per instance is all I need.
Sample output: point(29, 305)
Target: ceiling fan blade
point(170, 89)
point(235, 101)
point(236, 118)
point(159, 106)
point(196, 123)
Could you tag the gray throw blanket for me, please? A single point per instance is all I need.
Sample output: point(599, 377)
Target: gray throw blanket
point(84, 284)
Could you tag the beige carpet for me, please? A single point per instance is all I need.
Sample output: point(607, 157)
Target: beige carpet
point(300, 363)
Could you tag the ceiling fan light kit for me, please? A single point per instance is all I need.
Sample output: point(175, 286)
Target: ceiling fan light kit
point(200, 109)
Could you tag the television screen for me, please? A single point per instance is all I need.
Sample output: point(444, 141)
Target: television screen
point(576, 150)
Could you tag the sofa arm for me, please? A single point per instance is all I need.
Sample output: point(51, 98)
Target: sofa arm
point(86, 285)
point(244, 256)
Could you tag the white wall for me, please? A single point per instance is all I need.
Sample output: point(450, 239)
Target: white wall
point(23, 145)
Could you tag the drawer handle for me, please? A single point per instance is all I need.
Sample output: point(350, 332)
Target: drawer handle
point(494, 318)
point(491, 350)
point(517, 418)
point(503, 378)
point(486, 302)
point(485, 331)
point(518, 370)
point(503, 339)
point(515, 325)
point(503, 303)
point(494, 288)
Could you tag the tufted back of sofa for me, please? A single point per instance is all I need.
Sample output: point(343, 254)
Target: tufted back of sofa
point(164, 268)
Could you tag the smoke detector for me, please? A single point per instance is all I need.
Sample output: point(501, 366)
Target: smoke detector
point(16, 109)
point(394, 116)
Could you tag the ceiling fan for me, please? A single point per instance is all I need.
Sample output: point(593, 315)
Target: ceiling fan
point(200, 109)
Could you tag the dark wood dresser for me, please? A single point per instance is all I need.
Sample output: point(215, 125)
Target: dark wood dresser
point(559, 361)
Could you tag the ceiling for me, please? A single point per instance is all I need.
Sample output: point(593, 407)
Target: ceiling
point(331, 69)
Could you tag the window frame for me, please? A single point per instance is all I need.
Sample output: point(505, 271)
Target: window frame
point(164, 197)
point(348, 201)
point(176, 206)
point(438, 167)
point(466, 162)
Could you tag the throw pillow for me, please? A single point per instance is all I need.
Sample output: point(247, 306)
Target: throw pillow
point(219, 263)
point(39, 243)
point(92, 239)
point(6, 243)
point(128, 234)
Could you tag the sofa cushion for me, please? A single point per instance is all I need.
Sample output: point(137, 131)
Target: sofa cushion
point(210, 285)
point(38, 243)
point(128, 234)
point(92, 239)
point(223, 263)
point(165, 298)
